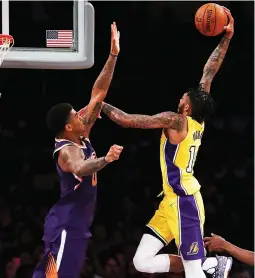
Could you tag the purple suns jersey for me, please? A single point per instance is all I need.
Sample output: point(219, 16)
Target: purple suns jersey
point(74, 211)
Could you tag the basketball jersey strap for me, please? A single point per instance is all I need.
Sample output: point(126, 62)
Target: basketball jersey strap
point(60, 145)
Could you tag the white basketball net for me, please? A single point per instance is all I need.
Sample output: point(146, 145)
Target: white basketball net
point(5, 47)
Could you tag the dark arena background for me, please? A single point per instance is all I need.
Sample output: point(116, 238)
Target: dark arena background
point(162, 55)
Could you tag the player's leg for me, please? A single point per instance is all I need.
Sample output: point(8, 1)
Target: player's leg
point(159, 235)
point(146, 258)
point(63, 258)
point(185, 216)
point(188, 233)
point(219, 266)
point(40, 270)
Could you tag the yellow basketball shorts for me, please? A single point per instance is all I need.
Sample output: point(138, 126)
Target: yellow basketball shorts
point(181, 218)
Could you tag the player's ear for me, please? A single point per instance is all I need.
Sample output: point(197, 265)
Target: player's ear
point(68, 127)
point(186, 107)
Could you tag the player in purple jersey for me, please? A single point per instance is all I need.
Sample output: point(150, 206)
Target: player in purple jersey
point(66, 229)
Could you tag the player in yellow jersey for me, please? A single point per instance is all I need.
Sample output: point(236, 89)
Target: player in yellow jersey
point(180, 215)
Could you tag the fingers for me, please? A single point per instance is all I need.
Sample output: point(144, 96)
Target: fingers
point(225, 9)
point(214, 235)
point(82, 112)
point(228, 13)
point(207, 244)
point(114, 31)
point(117, 147)
point(115, 151)
point(115, 27)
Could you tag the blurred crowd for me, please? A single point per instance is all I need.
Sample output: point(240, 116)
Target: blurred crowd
point(128, 189)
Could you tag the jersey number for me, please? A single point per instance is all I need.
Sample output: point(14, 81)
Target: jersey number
point(192, 151)
point(94, 179)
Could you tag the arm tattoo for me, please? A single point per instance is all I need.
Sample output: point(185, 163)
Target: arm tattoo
point(93, 116)
point(213, 64)
point(104, 79)
point(162, 120)
point(98, 94)
point(88, 167)
point(116, 115)
point(71, 160)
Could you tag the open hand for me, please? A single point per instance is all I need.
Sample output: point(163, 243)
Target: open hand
point(115, 39)
point(114, 153)
point(83, 111)
point(229, 29)
point(215, 243)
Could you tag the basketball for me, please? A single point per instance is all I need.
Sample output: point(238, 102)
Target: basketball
point(210, 19)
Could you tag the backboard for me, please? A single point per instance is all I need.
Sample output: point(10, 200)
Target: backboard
point(49, 34)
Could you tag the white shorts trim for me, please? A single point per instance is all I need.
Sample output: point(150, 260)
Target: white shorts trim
point(61, 248)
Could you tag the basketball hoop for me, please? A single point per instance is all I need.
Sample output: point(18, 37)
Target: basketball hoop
point(6, 43)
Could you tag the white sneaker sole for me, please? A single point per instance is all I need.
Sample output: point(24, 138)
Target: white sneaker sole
point(228, 267)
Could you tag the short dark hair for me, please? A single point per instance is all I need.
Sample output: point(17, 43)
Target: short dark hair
point(58, 116)
point(202, 104)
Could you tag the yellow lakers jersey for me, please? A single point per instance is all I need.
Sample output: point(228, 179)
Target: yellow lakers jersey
point(177, 161)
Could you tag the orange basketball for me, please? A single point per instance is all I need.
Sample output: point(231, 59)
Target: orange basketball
point(210, 19)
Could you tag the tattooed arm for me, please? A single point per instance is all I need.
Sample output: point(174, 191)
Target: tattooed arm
point(162, 120)
point(71, 160)
point(90, 113)
point(215, 60)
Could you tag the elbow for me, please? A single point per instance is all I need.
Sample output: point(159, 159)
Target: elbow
point(78, 173)
point(76, 170)
point(81, 173)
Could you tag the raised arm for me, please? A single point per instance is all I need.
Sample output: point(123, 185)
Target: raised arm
point(162, 120)
point(102, 84)
point(71, 160)
point(215, 60)
point(218, 244)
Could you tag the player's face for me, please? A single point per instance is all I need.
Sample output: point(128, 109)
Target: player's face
point(75, 124)
point(183, 104)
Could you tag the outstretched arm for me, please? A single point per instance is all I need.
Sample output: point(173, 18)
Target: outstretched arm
point(162, 120)
point(215, 60)
point(90, 112)
point(218, 244)
point(242, 255)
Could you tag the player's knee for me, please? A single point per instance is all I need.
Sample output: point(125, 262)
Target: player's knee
point(147, 250)
point(143, 263)
point(139, 262)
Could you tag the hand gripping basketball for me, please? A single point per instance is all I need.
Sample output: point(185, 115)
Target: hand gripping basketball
point(229, 29)
point(115, 39)
point(114, 153)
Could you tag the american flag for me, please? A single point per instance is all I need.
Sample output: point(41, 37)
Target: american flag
point(59, 38)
